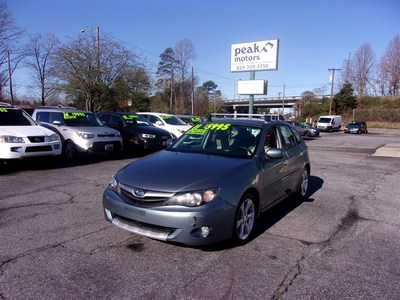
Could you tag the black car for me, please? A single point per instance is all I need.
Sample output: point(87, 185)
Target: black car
point(356, 127)
point(139, 135)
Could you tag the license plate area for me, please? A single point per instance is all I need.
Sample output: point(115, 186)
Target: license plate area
point(109, 147)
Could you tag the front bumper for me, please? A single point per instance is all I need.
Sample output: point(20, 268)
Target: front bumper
point(178, 224)
point(29, 151)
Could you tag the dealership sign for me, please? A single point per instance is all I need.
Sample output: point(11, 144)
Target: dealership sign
point(254, 56)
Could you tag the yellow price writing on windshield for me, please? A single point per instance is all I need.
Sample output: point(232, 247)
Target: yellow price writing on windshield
point(217, 126)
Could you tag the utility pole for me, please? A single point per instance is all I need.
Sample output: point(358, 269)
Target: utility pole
point(333, 81)
point(9, 77)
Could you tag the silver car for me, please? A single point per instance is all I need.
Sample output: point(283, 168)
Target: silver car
point(211, 184)
point(81, 131)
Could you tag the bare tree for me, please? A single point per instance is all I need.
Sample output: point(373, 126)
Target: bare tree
point(362, 69)
point(184, 53)
point(389, 67)
point(88, 75)
point(40, 50)
point(10, 35)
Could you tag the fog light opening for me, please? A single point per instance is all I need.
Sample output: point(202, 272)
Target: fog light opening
point(109, 215)
point(204, 231)
point(16, 149)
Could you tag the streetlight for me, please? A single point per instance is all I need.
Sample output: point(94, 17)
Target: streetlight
point(97, 44)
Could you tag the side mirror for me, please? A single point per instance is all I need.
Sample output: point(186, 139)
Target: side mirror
point(159, 123)
point(274, 153)
point(57, 123)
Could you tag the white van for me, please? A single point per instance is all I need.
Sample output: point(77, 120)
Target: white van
point(329, 123)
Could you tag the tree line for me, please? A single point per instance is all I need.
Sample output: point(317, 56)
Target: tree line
point(99, 73)
point(362, 76)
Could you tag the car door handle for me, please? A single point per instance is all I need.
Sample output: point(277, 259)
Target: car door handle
point(301, 153)
point(285, 162)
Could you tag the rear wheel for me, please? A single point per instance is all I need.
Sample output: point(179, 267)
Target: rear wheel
point(245, 220)
point(303, 184)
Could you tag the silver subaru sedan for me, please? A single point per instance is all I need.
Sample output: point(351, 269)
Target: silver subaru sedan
point(211, 184)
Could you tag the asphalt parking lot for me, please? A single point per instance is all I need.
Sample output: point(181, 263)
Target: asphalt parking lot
point(343, 242)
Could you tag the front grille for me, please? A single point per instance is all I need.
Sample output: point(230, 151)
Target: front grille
point(106, 135)
point(36, 139)
point(38, 149)
point(151, 198)
point(101, 146)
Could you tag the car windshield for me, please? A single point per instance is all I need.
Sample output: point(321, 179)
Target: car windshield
point(354, 123)
point(135, 120)
point(15, 117)
point(76, 119)
point(221, 139)
point(324, 120)
point(172, 120)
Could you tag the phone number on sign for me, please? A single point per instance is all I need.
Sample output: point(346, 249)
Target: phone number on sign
point(252, 67)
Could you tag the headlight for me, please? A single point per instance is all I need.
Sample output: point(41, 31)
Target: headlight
point(148, 136)
point(113, 184)
point(85, 135)
point(194, 198)
point(11, 139)
point(53, 137)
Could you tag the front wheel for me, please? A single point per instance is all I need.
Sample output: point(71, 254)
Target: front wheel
point(245, 220)
point(70, 150)
point(303, 185)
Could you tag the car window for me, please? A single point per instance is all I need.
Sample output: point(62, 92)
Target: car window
point(172, 120)
point(56, 117)
point(289, 139)
point(154, 119)
point(104, 118)
point(15, 117)
point(221, 139)
point(43, 116)
point(116, 120)
point(80, 119)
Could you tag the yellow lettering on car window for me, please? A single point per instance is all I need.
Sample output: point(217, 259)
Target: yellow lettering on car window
point(73, 115)
point(3, 110)
point(197, 130)
point(130, 117)
point(217, 126)
point(165, 117)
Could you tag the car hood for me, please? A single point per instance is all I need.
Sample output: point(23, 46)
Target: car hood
point(93, 129)
point(148, 129)
point(176, 171)
point(25, 131)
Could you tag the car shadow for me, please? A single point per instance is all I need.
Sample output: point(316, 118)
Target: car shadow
point(273, 215)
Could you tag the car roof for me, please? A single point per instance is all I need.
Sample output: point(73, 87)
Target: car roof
point(256, 122)
point(60, 109)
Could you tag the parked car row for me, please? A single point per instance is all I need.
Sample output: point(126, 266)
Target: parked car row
point(75, 132)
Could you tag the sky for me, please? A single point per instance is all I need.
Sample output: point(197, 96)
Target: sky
point(314, 35)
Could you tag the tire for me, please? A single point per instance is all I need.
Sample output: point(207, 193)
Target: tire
point(303, 184)
point(70, 150)
point(307, 133)
point(245, 220)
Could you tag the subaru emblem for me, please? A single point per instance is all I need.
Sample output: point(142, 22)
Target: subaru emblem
point(138, 193)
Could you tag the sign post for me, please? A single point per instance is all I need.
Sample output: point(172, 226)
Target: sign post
point(254, 56)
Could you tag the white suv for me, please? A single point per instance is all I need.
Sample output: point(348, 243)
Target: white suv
point(81, 131)
point(168, 122)
point(22, 138)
